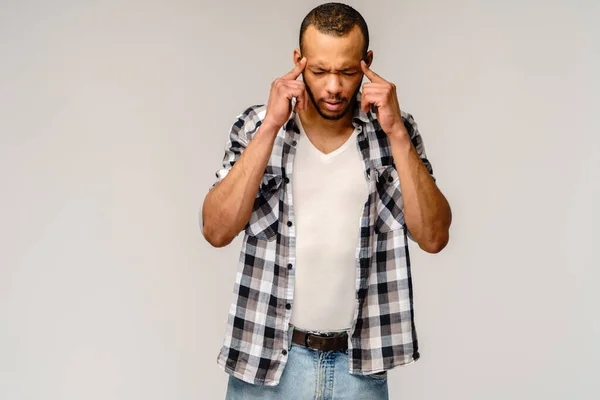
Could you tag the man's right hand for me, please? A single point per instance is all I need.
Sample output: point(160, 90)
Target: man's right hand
point(282, 91)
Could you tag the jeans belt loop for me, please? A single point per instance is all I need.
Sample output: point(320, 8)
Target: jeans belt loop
point(290, 334)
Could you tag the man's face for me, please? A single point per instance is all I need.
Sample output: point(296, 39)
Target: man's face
point(332, 75)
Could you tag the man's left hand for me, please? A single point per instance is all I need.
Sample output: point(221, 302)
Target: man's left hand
point(382, 94)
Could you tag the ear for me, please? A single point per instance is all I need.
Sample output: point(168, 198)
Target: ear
point(369, 58)
point(297, 56)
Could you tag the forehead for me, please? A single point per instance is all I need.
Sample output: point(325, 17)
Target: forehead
point(330, 51)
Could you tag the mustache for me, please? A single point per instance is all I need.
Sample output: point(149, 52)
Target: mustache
point(336, 99)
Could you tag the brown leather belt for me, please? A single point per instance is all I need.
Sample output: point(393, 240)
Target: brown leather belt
point(320, 341)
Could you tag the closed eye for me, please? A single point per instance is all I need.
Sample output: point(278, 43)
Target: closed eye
point(345, 73)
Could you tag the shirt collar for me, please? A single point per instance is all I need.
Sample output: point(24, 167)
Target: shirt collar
point(359, 114)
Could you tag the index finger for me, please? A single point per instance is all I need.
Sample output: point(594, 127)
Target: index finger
point(373, 77)
point(296, 71)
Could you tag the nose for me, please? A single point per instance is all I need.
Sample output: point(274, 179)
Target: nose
point(334, 84)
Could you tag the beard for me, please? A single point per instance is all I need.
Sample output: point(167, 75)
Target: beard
point(350, 104)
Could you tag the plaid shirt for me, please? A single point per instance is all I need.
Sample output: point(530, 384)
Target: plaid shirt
point(383, 333)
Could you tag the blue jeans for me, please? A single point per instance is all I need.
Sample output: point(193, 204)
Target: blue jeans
point(313, 374)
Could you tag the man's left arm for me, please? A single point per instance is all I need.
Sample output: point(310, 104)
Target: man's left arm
point(427, 213)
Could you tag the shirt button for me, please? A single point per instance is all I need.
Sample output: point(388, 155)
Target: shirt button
point(287, 180)
point(294, 143)
point(288, 306)
point(390, 179)
point(284, 352)
point(289, 223)
point(290, 266)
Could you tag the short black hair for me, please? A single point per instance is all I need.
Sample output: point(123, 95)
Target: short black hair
point(335, 19)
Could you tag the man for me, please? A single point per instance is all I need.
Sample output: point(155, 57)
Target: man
point(327, 181)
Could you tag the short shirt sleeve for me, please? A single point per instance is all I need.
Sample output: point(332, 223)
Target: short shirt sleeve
point(245, 124)
point(417, 141)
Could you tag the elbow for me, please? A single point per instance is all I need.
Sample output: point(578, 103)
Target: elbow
point(218, 244)
point(437, 238)
point(436, 244)
point(215, 240)
point(214, 237)
point(211, 231)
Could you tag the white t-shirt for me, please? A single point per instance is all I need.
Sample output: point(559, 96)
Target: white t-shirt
point(329, 193)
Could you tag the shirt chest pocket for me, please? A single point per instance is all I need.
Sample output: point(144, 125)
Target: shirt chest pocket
point(388, 200)
point(264, 220)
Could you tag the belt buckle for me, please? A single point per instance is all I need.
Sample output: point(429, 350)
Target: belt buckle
point(309, 334)
point(306, 339)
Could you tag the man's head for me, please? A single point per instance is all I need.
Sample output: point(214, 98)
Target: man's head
point(333, 38)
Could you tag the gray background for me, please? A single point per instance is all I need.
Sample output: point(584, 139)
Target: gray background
point(113, 117)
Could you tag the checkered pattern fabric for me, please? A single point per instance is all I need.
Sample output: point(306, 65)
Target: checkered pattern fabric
point(383, 333)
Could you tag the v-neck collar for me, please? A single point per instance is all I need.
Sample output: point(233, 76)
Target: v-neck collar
point(326, 156)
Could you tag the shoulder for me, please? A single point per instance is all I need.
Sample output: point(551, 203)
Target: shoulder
point(253, 113)
point(248, 121)
point(409, 123)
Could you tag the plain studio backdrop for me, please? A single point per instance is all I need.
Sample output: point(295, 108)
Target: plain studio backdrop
point(113, 120)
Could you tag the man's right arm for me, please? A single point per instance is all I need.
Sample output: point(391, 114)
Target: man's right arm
point(228, 205)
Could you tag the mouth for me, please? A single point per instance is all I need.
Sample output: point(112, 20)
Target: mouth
point(333, 106)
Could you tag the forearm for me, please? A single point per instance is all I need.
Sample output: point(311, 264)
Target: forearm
point(426, 211)
point(228, 206)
